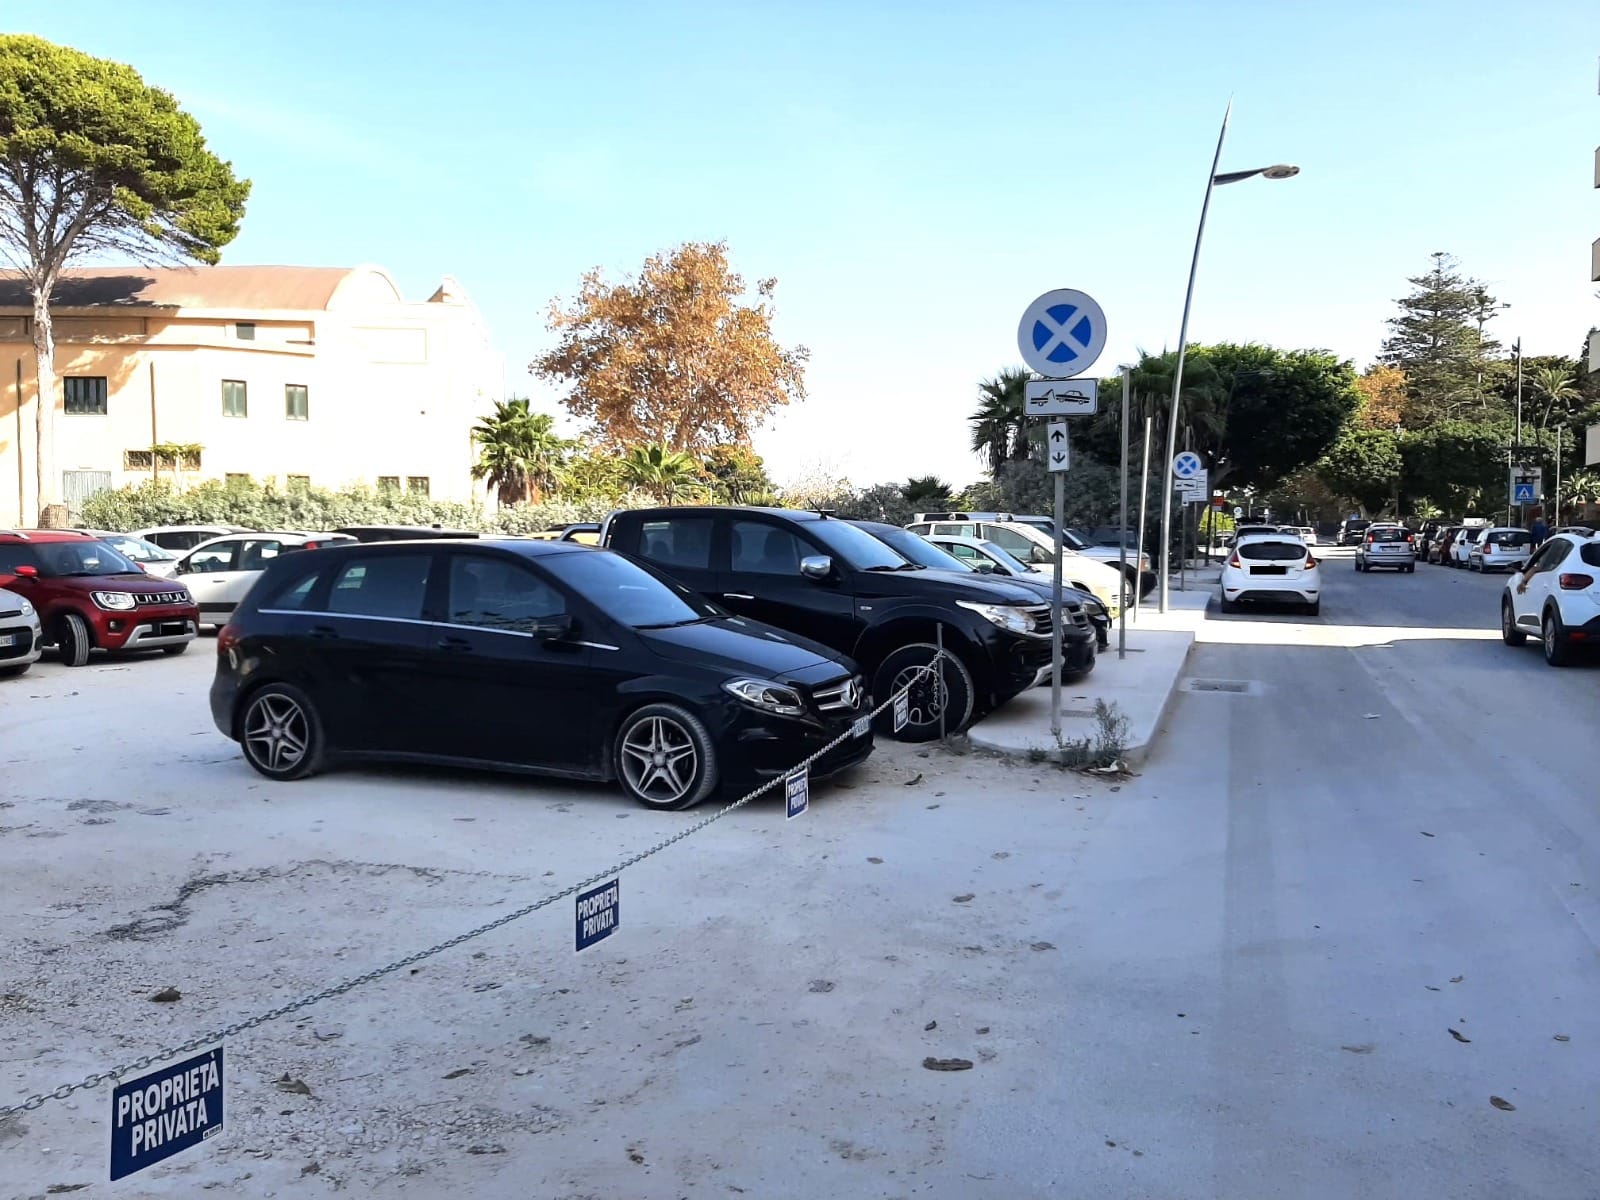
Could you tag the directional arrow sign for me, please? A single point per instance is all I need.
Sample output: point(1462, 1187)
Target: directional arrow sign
point(1063, 397)
point(1057, 450)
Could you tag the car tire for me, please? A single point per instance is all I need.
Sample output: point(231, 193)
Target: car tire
point(73, 640)
point(280, 732)
point(175, 649)
point(1509, 633)
point(1558, 651)
point(1314, 609)
point(1226, 605)
point(922, 725)
point(664, 758)
point(1412, 569)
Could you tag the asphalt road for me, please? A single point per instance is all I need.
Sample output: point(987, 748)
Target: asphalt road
point(1392, 833)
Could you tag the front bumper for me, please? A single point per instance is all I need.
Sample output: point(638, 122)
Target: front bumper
point(757, 748)
point(147, 630)
point(20, 642)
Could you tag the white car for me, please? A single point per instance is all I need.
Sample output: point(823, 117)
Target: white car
point(221, 571)
point(1306, 533)
point(185, 537)
point(1460, 547)
point(1083, 574)
point(20, 634)
point(1271, 568)
point(1556, 599)
point(1037, 548)
point(1502, 548)
point(152, 559)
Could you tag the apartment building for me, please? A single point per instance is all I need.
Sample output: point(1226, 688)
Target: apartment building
point(322, 375)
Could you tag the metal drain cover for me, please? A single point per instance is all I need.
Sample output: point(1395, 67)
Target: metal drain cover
point(1244, 687)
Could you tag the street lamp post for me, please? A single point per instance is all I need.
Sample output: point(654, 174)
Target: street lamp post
point(1214, 179)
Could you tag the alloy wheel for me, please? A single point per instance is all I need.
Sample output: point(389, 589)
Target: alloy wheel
point(928, 697)
point(660, 760)
point(276, 732)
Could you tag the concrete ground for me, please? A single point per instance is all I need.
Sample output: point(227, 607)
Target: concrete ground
point(1234, 975)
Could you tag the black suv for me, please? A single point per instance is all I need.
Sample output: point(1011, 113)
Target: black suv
point(827, 580)
point(535, 656)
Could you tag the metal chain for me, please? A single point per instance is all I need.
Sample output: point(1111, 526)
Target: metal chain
point(94, 1080)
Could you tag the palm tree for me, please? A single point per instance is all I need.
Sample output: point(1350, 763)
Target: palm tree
point(519, 452)
point(925, 492)
point(1558, 388)
point(999, 426)
point(666, 474)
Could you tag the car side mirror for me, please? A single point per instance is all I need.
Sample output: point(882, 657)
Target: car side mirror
point(25, 571)
point(816, 566)
point(553, 629)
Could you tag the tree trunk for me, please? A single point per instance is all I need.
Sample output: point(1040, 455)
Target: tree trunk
point(44, 354)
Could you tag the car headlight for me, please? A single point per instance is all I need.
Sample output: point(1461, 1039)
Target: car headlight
point(115, 601)
point(1095, 609)
point(767, 696)
point(1006, 616)
point(27, 609)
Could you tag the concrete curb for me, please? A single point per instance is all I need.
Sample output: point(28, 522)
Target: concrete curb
point(1140, 687)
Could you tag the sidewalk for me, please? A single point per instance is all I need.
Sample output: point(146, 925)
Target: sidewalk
point(1141, 686)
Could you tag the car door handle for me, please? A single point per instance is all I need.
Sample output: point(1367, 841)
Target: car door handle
point(736, 596)
point(324, 632)
point(456, 645)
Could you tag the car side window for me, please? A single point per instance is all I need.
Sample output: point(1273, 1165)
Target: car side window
point(954, 530)
point(1009, 539)
point(14, 556)
point(294, 593)
point(677, 542)
point(224, 556)
point(762, 549)
point(256, 554)
point(1548, 558)
point(388, 585)
point(491, 593)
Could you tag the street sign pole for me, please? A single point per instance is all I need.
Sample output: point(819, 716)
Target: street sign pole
point(1144, 497)
point(1122, 523)
point(1055, 611)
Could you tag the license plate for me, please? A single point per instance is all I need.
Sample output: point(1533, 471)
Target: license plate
point(8, 639)
point(860, 728)
point(1269, 570)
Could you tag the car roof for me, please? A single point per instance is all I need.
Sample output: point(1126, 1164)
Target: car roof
point(18, 536)
point(526, 547)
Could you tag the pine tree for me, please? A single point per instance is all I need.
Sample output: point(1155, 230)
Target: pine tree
point(1439, 341)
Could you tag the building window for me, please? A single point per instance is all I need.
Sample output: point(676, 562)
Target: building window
point(299, 483)
point(232, 479)
point(296, 401)
point(245, 331)
point(85, 395)
point(388, 483)
point(235, 400)
point(417, 484)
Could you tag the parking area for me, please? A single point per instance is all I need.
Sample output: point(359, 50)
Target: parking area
point(771, 977)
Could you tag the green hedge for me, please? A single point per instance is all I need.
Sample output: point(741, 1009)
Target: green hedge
point(265, 506)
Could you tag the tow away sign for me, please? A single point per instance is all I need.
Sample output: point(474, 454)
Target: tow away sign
point(157, 1115)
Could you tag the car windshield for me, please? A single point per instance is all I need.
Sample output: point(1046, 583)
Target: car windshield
point(857, 547)
point(918, 550)
point(1266, 551)
point(138, 550)
point(1074, 539)
point(626, 592)
point(1005, 558)
point(60, 560)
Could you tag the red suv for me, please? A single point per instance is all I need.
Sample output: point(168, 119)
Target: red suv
point(90, 597)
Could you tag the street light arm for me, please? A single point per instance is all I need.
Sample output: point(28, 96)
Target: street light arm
point(1276, 171)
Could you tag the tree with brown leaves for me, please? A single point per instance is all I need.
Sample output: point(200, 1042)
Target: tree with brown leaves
point(675, 358)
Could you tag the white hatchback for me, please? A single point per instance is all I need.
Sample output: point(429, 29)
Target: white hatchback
point(1556, 599)
point(1502, 548)
point(20, 635)
point(1272, 568)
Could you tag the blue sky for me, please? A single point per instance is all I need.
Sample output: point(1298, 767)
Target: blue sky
point(912, 173)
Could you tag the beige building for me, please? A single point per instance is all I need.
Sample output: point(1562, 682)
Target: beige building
point(319, 374)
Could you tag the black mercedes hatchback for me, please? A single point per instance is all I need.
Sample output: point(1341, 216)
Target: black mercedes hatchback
point(544, 657)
